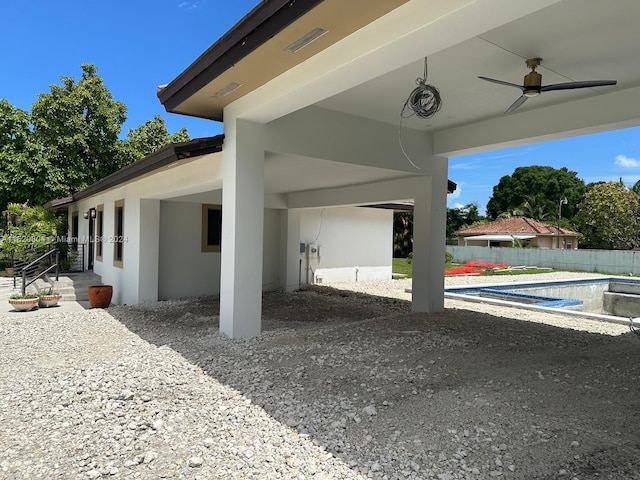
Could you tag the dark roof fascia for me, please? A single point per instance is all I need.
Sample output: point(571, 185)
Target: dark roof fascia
point(396, 207)
point(172, 153)
point(60, 202)
point(263, 22)
point(165, 156)
point(408, 207)
point(451, 186)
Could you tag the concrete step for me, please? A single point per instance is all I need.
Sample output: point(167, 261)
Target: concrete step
point(72, 287)
point(75, 286)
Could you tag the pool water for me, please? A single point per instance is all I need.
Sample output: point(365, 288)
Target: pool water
point(609, 298)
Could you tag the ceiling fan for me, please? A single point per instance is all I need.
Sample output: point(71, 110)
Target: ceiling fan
point(532, 85)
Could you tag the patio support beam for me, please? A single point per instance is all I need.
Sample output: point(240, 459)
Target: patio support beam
point(339, 137)
point(242, 230)
point(429, 227)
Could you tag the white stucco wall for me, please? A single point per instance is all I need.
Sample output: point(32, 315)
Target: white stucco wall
point(355, 244)
point(271, 272)
point(184, 269)
point(162, 251)
point(125, 279)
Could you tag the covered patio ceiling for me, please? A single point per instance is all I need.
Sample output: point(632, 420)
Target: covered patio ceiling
point(462, 39)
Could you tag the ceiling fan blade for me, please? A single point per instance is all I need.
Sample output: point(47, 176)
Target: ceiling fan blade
point(500, 82)
point(572, 85)
point(516, 104)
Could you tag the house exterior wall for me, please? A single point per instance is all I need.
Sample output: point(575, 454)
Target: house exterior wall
point(542, 241)
point(545, 242)
point(162, 227)
point(355, 244)
point(184, 269)
point(187, 271)
point(138, 232)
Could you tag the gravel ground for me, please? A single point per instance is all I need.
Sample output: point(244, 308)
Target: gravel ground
point(341, 385)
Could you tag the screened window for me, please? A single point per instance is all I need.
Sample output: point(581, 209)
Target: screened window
point(118, 233)
point(99, 231)
point(211, 228)
point(74, 231)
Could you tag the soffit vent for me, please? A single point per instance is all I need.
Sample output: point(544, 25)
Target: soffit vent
point(306, 40)
point(227, 90)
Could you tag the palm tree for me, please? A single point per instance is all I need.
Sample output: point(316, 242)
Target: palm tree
point(535, 206)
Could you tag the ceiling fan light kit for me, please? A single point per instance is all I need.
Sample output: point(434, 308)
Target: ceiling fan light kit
point(532, 84)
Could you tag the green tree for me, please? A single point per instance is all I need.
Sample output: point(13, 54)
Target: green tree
point(535, 206)
point(27, 227)
point(546, 184)
point(402, 234)
point(76, 125)
point(463, 217)
point(148, 138)
point(70, 140)
point(21, 168)
point(608, 217)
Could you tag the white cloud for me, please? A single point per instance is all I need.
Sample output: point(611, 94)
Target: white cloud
point(456, 194)
point(623, 161)
point(467, 165)
point(457, 206)
point(190, 5)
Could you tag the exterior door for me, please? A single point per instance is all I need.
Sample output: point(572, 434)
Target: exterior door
point(91, 243)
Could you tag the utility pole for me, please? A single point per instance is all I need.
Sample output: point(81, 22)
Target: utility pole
point(562, 201)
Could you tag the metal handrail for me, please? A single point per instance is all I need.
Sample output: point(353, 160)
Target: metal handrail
point(26, 268)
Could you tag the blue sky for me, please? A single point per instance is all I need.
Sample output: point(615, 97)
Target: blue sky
point(138, 45)
point(597, 157)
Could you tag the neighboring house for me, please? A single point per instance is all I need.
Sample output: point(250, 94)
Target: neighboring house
point(518, 231)
point(310, 94)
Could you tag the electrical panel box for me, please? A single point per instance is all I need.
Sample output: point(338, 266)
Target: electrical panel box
point(314, 250)
point(303, 247)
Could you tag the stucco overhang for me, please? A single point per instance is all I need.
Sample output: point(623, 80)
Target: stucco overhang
point(256, 50)
point(171, 155)
point(367, 63)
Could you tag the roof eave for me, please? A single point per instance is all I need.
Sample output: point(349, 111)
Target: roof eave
point(166, 156)
point(258, 26)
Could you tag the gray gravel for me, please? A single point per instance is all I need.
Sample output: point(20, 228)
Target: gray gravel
point(340, 385)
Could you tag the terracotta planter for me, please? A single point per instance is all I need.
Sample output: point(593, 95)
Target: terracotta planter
point(23, 304)
point(100, 296)
point(49, 300)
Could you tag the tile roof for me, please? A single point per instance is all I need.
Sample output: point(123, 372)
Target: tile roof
point(516, 225)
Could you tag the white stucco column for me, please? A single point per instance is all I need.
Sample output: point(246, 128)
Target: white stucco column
point(242, 230)
point(149, 254)
point(291, 249)
point(429, 234)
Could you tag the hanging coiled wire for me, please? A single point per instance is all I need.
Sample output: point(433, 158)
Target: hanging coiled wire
point(423, 102)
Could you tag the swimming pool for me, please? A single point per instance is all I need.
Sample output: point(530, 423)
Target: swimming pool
point(613, 299)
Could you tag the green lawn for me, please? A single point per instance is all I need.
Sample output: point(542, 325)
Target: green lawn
point(403, 267)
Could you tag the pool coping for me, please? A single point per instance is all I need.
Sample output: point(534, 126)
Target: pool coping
point(448, 293)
